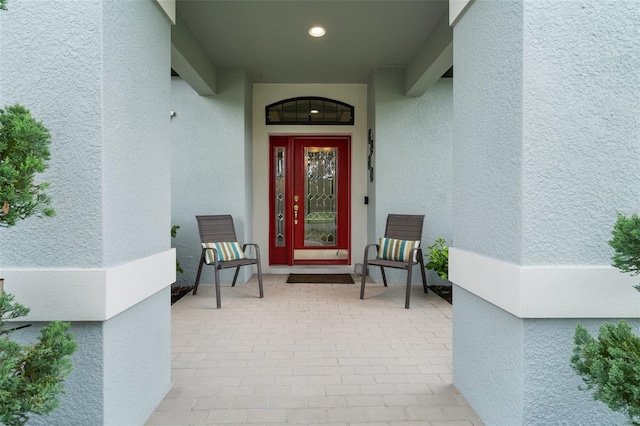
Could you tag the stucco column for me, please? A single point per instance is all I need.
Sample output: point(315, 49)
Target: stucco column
point(546, 152)
point(97, 75)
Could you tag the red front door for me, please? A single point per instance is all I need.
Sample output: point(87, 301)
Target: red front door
point(310, 198)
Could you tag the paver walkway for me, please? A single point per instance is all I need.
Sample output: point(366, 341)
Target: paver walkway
point(312, 354)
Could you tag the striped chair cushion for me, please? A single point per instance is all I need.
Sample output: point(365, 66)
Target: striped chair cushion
point(226, 251)
point(392, 249)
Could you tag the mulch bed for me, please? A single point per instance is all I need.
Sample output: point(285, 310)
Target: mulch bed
point(443, 291)
point(178, 291)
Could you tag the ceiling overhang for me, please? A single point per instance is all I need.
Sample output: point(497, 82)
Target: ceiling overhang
point(197, 49)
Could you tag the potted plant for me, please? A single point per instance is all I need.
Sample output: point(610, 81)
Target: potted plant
point(439, 258)
point(610, 364)
point(178, 291)
point(174, 233)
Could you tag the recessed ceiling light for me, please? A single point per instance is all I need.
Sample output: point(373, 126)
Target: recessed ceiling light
point(314, 111)
point(317, 31)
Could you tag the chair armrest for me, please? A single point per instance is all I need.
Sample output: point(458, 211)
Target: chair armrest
point(366, 249)
point(414, 253)
point(252, 245)
point(215, 254)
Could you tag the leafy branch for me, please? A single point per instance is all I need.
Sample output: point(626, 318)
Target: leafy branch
point(31, 376)
point(610, 364)
point(626, 244)
point(439, 258)
point(174, 232)
point(24, 151)
point(610, 367)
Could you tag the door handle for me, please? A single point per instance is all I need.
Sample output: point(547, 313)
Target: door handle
point(295, 214)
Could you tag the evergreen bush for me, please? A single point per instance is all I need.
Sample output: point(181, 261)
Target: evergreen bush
point(626, 244)
point(31, 376)
point(610, 364)
point(24, 151)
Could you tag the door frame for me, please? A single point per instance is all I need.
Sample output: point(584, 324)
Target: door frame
point(284, 255)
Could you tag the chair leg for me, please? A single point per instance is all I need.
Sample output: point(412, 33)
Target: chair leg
point(195, 286)
point(406, 300)
point(424, 277)
point(364, 277)
point(260, 280)
point(235, 277)
point(384, 276)
point(218, 302)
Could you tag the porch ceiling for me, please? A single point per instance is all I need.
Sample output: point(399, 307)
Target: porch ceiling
point(270, 40)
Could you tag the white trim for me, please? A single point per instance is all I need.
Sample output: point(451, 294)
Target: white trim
point(169, 8)
point(550, 291)
point(89, 294)
point(457, 9)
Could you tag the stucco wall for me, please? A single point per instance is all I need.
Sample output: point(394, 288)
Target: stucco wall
point(56, 71)
point(371, 188)
point(500, 400)
point(135, 117)
point(556, 146)
point(488, 130)
point(208, 138)
point(98, 83)
point(523, 376)
point(97, 74)
point(137, 360)
point(117, 370)
point(248, 163)
point(546, 152)
point(413, 159)
point(581, 127)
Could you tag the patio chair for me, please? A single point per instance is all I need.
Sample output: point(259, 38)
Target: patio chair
point(399, 249)
point(220, 248)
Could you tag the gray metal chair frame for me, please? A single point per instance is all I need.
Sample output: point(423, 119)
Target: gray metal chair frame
point(216, 229)
point(402, 227)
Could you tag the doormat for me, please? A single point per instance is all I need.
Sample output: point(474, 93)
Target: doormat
point(320, 279)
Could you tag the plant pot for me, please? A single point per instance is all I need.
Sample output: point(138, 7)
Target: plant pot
point(1, 283)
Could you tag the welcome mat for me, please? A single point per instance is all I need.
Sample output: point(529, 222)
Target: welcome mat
point(320, 279)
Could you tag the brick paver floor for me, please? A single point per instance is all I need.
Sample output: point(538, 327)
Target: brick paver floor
point(312, 354)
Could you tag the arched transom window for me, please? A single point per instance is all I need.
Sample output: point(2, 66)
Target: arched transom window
point(309, 110)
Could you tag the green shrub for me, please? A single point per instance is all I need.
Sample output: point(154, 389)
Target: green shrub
point(174, 232)
point(24, 151)
point(626, 244)
point(610, 364)
point(610, 367)
point(439, 258)
point(31, 376)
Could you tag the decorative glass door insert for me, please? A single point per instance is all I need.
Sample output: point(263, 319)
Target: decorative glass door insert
point(280, 193)
point(320, 216)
